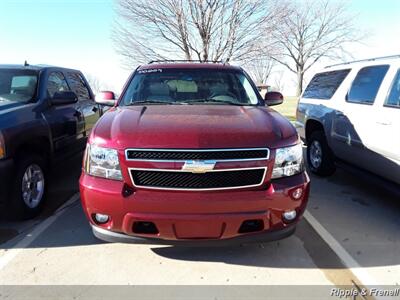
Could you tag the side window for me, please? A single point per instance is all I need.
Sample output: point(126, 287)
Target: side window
point(56, 83)
point(78, 86)
point(25, 85)
point(324, 85)
point(366, 84)
point(394, 97)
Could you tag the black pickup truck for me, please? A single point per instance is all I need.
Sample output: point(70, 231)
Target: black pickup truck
point(46, 114)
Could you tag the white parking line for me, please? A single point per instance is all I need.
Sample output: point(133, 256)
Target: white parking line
point(31, 236)
point(346, 258)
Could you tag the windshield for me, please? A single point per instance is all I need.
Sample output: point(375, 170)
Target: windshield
point(18, 85)
point(190, 86)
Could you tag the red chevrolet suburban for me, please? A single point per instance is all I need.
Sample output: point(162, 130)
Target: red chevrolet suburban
point(191, 153)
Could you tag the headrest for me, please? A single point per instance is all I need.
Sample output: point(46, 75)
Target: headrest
point(159, 89)
point(219, 88)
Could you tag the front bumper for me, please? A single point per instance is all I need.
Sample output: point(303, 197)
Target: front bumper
point(189, 216)
point(265, 236)
point(6, 174)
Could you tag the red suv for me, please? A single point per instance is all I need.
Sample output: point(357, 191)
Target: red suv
point(191, 152)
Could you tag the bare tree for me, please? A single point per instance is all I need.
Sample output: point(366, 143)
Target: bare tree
point(315, 29)
point(193, 29)
point(260, 68)
point(279, 82)
point(96, 84)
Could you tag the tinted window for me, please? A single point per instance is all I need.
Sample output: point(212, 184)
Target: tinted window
point(200, 86)
point(324, 85)
point(78, 86)
point(18, 85)
point(56, 83)
point(394, 96)
point(366, 84)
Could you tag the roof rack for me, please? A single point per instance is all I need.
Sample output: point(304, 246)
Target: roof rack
point(368, 59)
point(187, 60)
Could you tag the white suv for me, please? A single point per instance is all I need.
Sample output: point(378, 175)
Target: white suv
point(351, 113)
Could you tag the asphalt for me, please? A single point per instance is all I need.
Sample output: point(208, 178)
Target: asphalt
point(361, 218)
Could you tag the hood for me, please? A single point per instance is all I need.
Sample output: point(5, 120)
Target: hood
point(193, 126)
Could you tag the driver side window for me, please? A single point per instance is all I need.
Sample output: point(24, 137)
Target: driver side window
point(56, 83)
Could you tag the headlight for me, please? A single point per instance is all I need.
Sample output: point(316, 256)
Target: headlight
point(2, 147)
point(288, 161)
point(103, 162)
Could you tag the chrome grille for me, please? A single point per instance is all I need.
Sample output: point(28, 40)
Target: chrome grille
point(198, 154)
point(214, 180)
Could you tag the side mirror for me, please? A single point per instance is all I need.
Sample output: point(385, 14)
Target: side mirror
point(62, 98)
point(273, 98)
point(106, 98)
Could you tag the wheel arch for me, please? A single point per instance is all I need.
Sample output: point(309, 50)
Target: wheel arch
point(39, 145)
point(311, 126)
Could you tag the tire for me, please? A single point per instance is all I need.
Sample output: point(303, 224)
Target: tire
point(320, 158)
point(28, 191)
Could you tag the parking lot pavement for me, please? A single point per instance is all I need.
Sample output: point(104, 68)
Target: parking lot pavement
point(67, 253)
point(364, 219)
point(63, 183)
point(62, 249)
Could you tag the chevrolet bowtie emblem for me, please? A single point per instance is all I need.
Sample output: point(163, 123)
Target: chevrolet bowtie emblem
point(199, 166)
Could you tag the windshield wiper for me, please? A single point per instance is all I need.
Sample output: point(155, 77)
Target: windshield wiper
point(152, 102)
point(211, 100)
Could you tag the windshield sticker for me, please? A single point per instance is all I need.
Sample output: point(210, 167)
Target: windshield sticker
point(150, 71)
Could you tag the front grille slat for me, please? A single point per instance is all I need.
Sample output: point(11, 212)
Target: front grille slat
point(209, 154)
point(192, 181)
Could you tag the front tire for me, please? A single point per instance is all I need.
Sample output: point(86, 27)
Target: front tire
point(319, 156)
point(29, 187)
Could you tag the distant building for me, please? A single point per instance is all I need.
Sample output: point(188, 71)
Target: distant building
point(263, 89)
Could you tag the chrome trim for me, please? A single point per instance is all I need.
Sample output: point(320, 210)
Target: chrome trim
point(189, 189)
point(198, 150)
point(198, 166)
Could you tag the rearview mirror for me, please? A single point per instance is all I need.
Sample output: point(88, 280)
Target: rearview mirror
point(64, 97)
point(106, 98)
point(273, 98)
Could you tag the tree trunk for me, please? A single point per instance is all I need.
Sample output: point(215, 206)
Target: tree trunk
point(300, 79)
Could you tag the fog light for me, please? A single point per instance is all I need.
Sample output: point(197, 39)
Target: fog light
point(290, 215)
point(101, 219)
point(297, 193)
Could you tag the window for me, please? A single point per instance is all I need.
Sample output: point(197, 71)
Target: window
point(366, 84)
point(394, 97)
point(56, 83)
point(78, 86)
point(324, 85)
point(249, 89)
point(18, 85)
point(203, 86)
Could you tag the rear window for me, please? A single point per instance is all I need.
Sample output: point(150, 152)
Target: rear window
point(324, 85)
point(366, 84)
